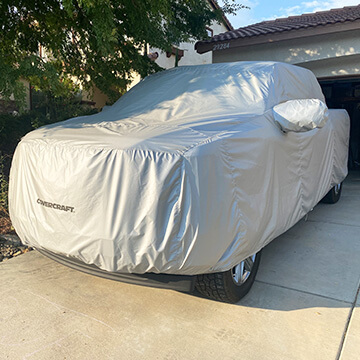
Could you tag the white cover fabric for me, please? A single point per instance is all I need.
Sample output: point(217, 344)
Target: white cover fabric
point(301, 115)
point(186, 174)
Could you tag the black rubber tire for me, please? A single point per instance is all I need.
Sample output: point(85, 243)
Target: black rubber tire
point(220, 286)
point(332, 196)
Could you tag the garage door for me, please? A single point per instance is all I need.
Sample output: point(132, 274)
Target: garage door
point(344, 93)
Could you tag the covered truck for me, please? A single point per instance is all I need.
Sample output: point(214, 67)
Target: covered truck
point(185, 178)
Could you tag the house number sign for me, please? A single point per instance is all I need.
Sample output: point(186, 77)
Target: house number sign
point(221, 46)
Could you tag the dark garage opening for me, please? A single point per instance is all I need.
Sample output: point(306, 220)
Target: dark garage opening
point(345, 94)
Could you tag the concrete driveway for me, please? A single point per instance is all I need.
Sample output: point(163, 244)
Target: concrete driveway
point(303, 305)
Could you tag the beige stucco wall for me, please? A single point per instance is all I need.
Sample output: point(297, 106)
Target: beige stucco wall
point(27, 90)
point(191, 57)
point(96, 96)
point(326, 55)
point(337, 66)
point(6, 106)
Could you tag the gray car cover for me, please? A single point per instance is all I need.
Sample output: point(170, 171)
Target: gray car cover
point(187, 173)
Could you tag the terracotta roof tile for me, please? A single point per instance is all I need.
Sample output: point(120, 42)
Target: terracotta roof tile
point(349, 13)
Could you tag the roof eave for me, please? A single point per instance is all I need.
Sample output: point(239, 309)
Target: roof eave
point(204, 46)
point(226, 21)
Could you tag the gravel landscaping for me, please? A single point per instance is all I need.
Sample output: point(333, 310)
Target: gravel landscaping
point(11, 246)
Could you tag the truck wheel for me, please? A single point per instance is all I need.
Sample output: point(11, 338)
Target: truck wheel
point(333, 195)
point(232, 285)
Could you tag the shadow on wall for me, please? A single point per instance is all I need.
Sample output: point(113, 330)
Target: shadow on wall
point(342, 66)
point(301, 54)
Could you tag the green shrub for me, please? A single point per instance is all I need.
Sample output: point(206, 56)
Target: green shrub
point(5, 223)
point(14, 126)
point(4, 163)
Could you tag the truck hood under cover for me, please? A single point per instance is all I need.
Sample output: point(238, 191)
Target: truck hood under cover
point(186, 174)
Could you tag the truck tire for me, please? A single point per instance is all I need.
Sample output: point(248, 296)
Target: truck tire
point(232, 285)
point(333, 195)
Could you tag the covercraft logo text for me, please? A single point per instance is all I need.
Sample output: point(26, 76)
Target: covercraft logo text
point(55, 206)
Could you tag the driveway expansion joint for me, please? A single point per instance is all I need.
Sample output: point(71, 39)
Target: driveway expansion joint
point(341, 346)
point(305, 292)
